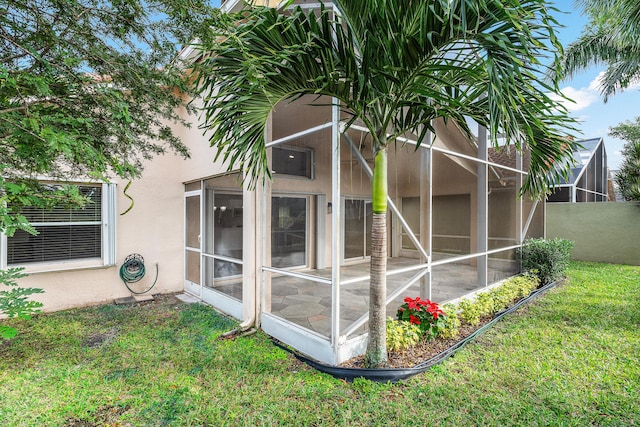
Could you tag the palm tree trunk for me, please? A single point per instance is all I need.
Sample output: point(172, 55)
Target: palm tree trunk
point(376, 355)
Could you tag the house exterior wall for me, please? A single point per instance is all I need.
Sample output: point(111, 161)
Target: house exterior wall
point(201, 162)
point(153, 228)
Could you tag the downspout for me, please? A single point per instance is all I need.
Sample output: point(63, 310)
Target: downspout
point(249, 282)
point(254, 203)
point(261, 194)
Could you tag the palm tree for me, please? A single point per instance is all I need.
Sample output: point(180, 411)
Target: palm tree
point(395, 66)
point(611, 38)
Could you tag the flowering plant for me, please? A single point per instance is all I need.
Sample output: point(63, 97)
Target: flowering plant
point(425, 313)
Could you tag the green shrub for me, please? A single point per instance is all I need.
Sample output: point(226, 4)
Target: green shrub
point(486, 303)
point(452, 326)
point(502, 297)
point(402, 335)
point(549, 257)
point(14, 302)
point(497, 299)
point(469, 311)
point(523, 285)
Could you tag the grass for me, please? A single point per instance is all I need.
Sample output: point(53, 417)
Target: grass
point(570, 359)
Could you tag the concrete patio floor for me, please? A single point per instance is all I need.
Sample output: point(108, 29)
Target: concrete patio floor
point(308, 303)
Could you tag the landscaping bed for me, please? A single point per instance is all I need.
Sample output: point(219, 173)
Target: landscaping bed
point(425, 333)
point(437, 348)
point(419, 357)
point(421, 352)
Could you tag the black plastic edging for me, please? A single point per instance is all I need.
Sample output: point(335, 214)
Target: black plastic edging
point(397, 374)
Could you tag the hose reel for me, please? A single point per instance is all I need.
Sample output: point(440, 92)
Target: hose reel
point(133, 270)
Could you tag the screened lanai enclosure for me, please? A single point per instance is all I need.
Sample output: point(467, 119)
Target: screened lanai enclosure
point(588, 176)
point(294, 253)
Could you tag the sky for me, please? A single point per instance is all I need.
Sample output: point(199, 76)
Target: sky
point(594, 115)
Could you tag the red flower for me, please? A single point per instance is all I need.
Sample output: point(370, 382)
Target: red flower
point(416, 306)
point(434, 309)
point(413, 304)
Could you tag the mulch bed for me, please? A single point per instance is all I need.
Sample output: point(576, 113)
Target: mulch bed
point(421, 352)
point(424, 350)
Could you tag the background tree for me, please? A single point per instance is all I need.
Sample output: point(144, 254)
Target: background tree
point(628, 177)
point(611, 38)
point(88, 89)
point(395, 66)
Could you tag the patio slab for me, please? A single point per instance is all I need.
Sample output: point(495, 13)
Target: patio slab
point(308, 303)
point(452, 281)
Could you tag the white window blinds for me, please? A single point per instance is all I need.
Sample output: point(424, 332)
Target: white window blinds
point(66, 234)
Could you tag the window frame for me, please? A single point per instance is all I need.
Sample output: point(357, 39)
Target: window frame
point(306, 151)
point(108, 232)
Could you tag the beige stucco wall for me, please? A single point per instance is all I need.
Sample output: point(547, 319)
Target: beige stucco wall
point(200, 164)
point(604, 232)
point(153, 228)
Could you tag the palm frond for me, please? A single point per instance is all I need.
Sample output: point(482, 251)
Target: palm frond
point(611, 38)
point(590, 49)
point(396, 65)
point(620, 75)
point(263, 58)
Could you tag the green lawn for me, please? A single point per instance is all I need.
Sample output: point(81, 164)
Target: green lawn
point(571, 358)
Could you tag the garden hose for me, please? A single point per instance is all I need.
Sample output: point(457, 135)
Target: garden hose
point(133, 270)
point(126, 187)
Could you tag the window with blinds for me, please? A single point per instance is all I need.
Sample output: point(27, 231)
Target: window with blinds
point(64, 233)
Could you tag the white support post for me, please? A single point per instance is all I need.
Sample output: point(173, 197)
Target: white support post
point(263, 199)
point(321, 226)
point(519, 202)
point(426, 189)
point(336, 239)
point(250, 253)
point(483, 206)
